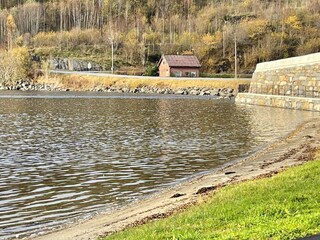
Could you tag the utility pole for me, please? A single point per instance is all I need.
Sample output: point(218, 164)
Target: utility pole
point(223, 42)
point(234, 20)
point(112, 57)
point(112, 54)
point(235, 54)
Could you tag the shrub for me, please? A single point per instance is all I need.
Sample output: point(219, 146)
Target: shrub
point(14, 66)
point(152, 71)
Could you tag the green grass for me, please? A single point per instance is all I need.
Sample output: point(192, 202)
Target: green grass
point(286, 206)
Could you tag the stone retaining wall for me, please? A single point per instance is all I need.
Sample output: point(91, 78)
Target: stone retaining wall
point(298, 76)
point(298, 103)
point(292, 83)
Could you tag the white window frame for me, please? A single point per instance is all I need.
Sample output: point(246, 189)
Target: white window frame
point(178, 73)
point(193, 74)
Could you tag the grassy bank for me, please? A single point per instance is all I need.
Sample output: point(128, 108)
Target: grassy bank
point(285, 206)
point(87, 83)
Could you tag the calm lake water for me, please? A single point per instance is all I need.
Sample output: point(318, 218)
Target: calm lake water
point(65, 156)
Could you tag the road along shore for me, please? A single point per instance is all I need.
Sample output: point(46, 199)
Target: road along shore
point(293, 149)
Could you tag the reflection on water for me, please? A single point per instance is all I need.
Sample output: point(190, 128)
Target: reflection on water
point(64, 158)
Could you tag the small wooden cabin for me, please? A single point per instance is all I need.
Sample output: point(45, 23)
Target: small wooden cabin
point(179, 66)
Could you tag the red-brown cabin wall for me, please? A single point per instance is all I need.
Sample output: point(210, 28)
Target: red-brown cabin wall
point(184, 71)
point(164, 69)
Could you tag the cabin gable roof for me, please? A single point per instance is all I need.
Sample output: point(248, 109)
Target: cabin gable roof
point(181, 61)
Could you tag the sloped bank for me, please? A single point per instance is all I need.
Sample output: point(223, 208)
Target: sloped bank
point(144, 85)
point(30, 86)
point(136, 85)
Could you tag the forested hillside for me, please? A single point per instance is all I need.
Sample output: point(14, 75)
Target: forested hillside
point(142, 30)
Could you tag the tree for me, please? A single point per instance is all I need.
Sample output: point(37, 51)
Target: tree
point(14, 66)
point(272, 29)
point(11, 29)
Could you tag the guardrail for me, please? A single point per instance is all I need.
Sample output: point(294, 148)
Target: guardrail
point(106, 74)
point(224, 75)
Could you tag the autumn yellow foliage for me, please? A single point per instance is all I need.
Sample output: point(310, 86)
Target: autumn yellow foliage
point(141, 31)
point(14, 66)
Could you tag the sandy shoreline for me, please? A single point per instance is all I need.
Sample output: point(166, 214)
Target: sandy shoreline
point(294, 149)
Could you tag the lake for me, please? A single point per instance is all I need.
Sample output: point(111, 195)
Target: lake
point(68, 156)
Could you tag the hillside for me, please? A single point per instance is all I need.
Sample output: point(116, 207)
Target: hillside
point(142, 30)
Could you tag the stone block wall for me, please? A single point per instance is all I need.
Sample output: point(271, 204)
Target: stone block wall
point(298, 76)
point(292, 83)
point(298, 103)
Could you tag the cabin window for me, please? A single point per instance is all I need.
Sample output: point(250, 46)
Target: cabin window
point(177, 73)
point(191, 74)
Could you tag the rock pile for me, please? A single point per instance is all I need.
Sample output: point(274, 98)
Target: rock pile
point(217, 92)
point(26, 85)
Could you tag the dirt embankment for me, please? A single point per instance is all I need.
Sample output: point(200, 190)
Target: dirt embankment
point(294, 149)
point(98, 82)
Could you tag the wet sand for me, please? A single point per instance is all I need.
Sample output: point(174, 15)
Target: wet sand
point(294, 149)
